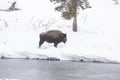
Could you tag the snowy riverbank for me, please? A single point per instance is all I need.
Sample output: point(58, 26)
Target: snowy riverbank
point(97, 39)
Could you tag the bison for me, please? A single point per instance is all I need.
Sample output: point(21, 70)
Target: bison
point(52, 36)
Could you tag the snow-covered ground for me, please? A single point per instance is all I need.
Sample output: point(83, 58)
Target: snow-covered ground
point(97, 39)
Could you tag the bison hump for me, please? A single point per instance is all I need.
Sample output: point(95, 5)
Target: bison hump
point(54, 33)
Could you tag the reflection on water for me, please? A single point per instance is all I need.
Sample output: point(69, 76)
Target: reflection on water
point(57, 70)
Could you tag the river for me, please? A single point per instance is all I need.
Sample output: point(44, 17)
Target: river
point(22, 69)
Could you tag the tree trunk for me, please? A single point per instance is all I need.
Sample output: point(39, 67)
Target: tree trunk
point(74, 3)
point(12, 7)
point(75, 24)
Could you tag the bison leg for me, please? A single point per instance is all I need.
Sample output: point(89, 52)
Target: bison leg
point(55, 44)
point(40, 43)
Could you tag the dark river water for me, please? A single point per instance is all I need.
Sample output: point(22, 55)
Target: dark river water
point(21, 69)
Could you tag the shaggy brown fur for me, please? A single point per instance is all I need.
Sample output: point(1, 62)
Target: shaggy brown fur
point(52, 36)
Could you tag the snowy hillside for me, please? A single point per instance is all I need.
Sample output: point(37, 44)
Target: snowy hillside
point(97, 39)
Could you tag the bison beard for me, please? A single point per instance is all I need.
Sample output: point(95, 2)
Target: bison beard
point(52, 36)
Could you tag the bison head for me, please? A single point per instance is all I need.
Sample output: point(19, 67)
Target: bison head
point(64, 37)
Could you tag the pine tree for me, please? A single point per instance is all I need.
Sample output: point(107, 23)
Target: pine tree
point(116, 2)
point(69, 9)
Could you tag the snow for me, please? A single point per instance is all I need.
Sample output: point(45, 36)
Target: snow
point(97, 39)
